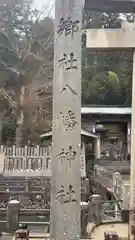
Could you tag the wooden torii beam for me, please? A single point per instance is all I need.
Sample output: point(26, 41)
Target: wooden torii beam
point(119, 6)
point(124, 38)
point(106, 39)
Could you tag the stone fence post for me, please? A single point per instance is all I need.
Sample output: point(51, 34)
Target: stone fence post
point(95, 209)
point(13, 215)
point(86, 186)
point(96, 172)
point(26, 191)
point(117, 185)
point(27, 185)
point(125, 196)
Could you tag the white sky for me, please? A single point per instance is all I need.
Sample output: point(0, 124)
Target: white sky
point(45, 6)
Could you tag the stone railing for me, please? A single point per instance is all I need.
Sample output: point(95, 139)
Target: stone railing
point(30, 161)
point(110, 165)
point(25, 151)
point(118, 184)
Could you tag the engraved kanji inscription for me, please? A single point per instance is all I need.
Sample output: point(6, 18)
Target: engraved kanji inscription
point(82, 163)
point(70, 88)
point(61, 195)
point(68, 26)
point(67, 156)
point(66, 197)
point(70, 155)
point(68, 62)
point(70, 195)
point(69, 120)
point(62, 156)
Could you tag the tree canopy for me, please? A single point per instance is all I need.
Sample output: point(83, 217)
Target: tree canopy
point(26, 70)
point(107, 76)
point(24, 51)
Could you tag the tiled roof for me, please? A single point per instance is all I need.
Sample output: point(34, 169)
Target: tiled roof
point(83, 132)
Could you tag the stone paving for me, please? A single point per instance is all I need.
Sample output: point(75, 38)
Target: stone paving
point(98, 232)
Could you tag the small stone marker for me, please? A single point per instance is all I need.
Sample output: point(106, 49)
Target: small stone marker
point(13, 215)
point(96, 208)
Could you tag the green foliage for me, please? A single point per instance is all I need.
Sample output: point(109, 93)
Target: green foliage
point(106, 76)
point(15, 18)
point(15, 30)
point(101, 90)
point(9, 132)
point(125, 76)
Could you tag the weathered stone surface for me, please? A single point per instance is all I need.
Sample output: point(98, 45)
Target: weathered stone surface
point(126, 195)
point(132, 168)
point(66, 139)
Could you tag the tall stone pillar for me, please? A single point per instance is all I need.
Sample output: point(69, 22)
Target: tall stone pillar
point(66, 137)
point(132, 168)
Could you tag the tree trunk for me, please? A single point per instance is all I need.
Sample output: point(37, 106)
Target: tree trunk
point(1, 124)
point(18, 130)
point(18, 136)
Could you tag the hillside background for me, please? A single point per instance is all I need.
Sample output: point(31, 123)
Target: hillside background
point(26, 70)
